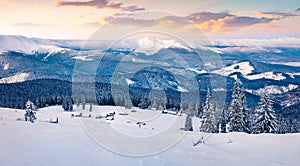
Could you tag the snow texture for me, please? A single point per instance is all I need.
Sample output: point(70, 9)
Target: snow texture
point(66, 143)
point(244, 68)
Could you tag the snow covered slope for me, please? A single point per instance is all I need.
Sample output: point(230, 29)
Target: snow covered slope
point(67, 143)
point(150, 46)
point(244, 68)
point(28, 45)
point(267, 75)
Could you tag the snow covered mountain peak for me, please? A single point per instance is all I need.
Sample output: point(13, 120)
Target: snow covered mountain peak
point(150, 46)
point(28, 45)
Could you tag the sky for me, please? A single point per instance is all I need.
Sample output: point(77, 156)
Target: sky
point(216, 19)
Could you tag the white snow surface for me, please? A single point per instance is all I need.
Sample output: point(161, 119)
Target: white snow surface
point(295, 64)
point(197, 71)
point(244, 68)
point(267, 75)
point(28, 45)
point(67, 143)
point(129, 81)
point(19, 77)
point(150, 45)
point(273, 89)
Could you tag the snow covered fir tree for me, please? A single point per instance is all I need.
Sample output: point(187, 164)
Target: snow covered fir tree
point(30, 112)
point(238, 111)
point(209, 121)
point(265, 118)
point(188, 126)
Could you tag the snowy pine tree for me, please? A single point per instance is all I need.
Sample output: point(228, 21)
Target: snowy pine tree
point(245, 113)
point(295, 126)
point(91, 107)
point(222, 122)
point(282, 125)
point(30, 111)
point(65, 104)
point(188, 126)
point(265, 121)
point(208, 124)
point(83, 103)
point(236, 123)
point(70, 104)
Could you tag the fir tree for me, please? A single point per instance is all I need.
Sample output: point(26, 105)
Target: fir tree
point(265, 121)
point(282, 125)
point(245, 113)
point(70, 104)
point(65, 104)
point(295, 126)
point(236, 123)
point(91, 107)
point(83, 103)
point(188, 126)
point(208, 124)
point(30, 111)
point(223, 122)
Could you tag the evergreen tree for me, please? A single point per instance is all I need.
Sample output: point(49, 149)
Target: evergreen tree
point(295, 126)
point(91, 107)
point(245, 113)
point(65, 104)
point(77, 102)
point(30, 111)
point(83, 103)
point(199, 111)
point(208, 124)
point(236, 123)
point(70, 104)
point(282, 125)
point(265, 121)
point(188, 126)
point(223, 122)
point(143, 102)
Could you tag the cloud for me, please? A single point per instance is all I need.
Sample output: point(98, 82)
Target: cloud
point(131, 21)
point(27, 24)
point(90, 25)
point(275, 15)
point(247, 45)
point(101, 4)
point(298, 10)
point(132, 8)
point(202, 17)
point(174, 21)
point(243, 21)
point(208, 21)
point(214, 22)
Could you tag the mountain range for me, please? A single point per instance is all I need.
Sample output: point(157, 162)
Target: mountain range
point(155, 64)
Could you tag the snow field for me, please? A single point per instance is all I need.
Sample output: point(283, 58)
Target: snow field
point(68, 143)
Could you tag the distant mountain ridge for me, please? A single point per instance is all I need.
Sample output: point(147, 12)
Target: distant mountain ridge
point(177, 66)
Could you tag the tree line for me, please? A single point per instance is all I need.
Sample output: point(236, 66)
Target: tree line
point(239, 118)
point(235, 113)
